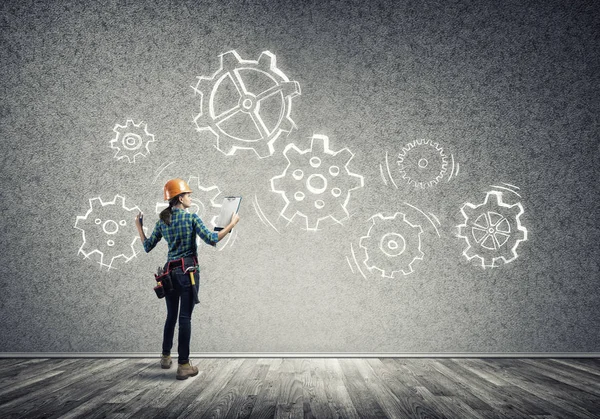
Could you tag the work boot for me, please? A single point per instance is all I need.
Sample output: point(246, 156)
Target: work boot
point(186, 370)
point(165, 362)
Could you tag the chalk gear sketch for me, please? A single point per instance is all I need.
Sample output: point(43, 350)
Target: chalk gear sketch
point(203, 200)
point(492, 230)
point(392, 245)
point(246, 104)
point(316, 184)
point(422, 163)
point(108, 230)
point(131, 140)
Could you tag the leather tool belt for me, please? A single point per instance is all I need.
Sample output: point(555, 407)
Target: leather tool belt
point(164, 279)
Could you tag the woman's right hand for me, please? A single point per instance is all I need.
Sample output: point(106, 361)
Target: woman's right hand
point(235, 219)
point(139, 223)
point(139, 220)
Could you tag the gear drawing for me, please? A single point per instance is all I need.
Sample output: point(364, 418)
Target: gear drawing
point(492, 230)
point(131, 140)
point(422, 163)
point(314, 185)
point(108, 229)
point(246, 104)
point(392, 245)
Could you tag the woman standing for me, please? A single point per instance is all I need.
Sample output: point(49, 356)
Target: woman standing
point(179, 228)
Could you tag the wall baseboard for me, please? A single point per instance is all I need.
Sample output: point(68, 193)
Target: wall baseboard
point(306, 355)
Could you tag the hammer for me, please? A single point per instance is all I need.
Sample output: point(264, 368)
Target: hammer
point(191, 270)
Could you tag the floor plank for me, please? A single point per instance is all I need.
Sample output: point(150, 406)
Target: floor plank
point(499, 398)
point(339, 400)
point(475, 388)
point(580, 364)
point(556, 397)
point(364, 400)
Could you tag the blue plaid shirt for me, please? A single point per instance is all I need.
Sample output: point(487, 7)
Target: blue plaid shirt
point(181, 234)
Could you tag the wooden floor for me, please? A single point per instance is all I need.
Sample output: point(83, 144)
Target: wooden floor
point(302, 388)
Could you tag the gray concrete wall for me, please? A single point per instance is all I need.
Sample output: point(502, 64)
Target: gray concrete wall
point(507, 90)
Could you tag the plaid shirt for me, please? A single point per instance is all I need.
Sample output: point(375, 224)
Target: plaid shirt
point(181, 234)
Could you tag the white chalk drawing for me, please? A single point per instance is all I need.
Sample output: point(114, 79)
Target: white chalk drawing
point(507, 187)
point(160, 170)
point(422, 163)
point(261, 215)
point(131, 140)
point(206, 202)
point(431, 217)
point(355, 261)
point(492, 230)
point(392, 245)
point(317, 183)
point(454, 169)
point(389, 172)
point(108, 231)
point(246, 104)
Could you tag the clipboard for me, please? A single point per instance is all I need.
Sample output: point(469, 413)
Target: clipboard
point(230, 206)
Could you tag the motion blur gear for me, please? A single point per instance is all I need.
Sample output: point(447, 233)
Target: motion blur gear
point(175, 187)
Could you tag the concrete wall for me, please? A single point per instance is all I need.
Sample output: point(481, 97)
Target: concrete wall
point(437, 114)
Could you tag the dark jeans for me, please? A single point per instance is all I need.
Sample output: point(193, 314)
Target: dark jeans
point(182, 293)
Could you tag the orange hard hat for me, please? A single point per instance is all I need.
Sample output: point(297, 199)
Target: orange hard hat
point(175, 187)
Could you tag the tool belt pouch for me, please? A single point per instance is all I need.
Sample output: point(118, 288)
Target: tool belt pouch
point(165, 284)
point(159, 290)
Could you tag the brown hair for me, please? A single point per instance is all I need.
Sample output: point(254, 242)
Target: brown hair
point(165, 215)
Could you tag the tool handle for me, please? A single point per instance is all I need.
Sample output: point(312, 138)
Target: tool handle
point(194, 290)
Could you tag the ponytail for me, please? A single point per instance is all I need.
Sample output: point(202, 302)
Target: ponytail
point(165, 215)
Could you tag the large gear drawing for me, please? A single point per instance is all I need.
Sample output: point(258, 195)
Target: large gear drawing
point(492, 230)
point(313, 185)
point(246, 104)
point(422, 163)
point(392, 245)
point(108, 229)
point(131, 140)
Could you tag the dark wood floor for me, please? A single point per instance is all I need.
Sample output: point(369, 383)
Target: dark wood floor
point(302, 388)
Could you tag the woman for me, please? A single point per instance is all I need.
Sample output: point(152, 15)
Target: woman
point(179, 228)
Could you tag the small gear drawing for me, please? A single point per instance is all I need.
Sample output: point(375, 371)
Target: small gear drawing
point(134, 140)
point(422, 163)
point(318, 188)
point(392, 245)
point(246, 104)
point(108, 229)
point(492, 230)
